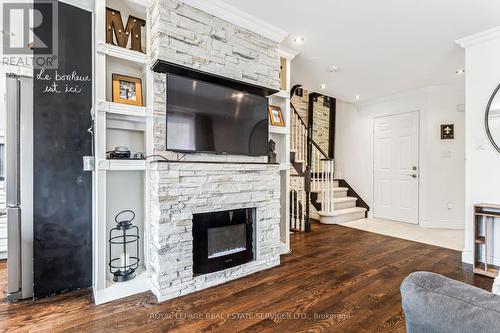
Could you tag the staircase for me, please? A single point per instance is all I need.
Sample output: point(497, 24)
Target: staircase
point(319, 193)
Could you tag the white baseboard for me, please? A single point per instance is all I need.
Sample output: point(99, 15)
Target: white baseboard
point(443, 224)
point(467, 257)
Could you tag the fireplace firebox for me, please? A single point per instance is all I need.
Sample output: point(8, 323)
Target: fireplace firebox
point(222, 240)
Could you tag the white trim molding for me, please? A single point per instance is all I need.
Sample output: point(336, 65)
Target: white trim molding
point(231, 14)
point(479, 38)
point(287, 52)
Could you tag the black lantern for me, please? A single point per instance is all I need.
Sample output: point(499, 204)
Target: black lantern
point(125, 238)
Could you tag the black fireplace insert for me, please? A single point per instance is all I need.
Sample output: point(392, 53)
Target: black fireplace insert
point(222, 240)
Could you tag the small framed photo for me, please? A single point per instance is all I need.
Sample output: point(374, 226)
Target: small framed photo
point(127, 90)
point(276, 116)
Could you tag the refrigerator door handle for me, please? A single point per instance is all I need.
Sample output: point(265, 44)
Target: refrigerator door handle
point(14, 258)
point(12, 141)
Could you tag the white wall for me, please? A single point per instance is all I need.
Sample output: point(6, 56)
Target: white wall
point(441, 162)
point(483, 161)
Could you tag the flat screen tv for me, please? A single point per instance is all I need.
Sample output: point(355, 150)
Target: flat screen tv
point(205, 117)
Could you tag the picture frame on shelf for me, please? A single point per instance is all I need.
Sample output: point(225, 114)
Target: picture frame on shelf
point(276, 116)
point(127, 90)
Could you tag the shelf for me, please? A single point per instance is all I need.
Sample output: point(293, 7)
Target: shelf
point(124, 109)
point(122, 53)
point(117, 290)
point(122, 165)
point(491, 272)
point(278, 130)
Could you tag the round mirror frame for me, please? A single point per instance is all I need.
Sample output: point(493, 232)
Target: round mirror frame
point(487, 117)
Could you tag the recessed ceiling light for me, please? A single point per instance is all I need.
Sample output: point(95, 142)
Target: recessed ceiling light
point(314, 58)
point(299, 39)
point(323, 86)
point(460, 71)
point(334, 68)
point(358, 97)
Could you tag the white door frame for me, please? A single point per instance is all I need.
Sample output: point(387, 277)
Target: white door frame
point(419, 173)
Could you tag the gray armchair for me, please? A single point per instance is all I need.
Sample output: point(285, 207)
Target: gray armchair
point(434, 303)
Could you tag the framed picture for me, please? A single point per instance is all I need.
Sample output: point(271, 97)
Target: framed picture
point(448, 132)
point(276, 116)
point(127, 90)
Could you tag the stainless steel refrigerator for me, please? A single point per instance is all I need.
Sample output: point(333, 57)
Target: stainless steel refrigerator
point(19, 186)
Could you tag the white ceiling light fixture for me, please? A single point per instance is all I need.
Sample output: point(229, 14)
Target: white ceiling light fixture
point(357, 97)
point(323, 86)
point(299, 40)
point(460, 71)
point(334, 68)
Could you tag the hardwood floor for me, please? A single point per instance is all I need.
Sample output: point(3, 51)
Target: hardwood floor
point(337, 279)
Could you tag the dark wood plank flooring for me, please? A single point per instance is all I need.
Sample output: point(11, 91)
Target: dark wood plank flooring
point(337, 279)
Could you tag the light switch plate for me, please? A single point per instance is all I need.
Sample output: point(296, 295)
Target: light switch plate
point(88, 163)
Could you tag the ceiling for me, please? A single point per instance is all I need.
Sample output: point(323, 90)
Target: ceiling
point(382, 46)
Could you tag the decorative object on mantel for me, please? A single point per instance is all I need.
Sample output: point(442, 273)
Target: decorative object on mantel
point(125, 239)
point(483, 215)
point(272, 154)
point(276, 116)
point(127, 90)
point(448, 132)
point(133, 30)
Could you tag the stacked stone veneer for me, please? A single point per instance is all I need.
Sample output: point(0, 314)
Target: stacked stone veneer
point(179, 190)
point(189, 37)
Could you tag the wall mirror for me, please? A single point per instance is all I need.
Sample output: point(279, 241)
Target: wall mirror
point(492, 119)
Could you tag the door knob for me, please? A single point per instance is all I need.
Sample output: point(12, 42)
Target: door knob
point(414, 175)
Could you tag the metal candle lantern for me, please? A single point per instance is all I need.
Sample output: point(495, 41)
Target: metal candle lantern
point(124, 237)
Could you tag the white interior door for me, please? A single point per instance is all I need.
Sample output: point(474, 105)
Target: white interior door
point(396, 169)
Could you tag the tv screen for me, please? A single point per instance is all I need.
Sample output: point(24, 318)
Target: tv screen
point(206, 117)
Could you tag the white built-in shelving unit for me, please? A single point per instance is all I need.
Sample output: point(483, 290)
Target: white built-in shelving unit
point(281, 135)
point(120, 184)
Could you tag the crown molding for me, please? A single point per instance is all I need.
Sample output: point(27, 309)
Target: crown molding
point(238, 17)
point(479, 38)
point(287, 52)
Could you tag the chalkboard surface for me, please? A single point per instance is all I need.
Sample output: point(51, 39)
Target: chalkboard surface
point(62, 190)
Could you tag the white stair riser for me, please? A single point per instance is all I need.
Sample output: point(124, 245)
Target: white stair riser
point(344, 205)
point(341, 205)
point(318, 189)
point(342, 218)
point(340, 194)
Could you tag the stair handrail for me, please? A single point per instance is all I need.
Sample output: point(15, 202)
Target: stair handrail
point(325, 155)
point(298, 115)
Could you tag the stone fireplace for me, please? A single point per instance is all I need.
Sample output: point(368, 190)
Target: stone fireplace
point(190, 185)
point(181, 190)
